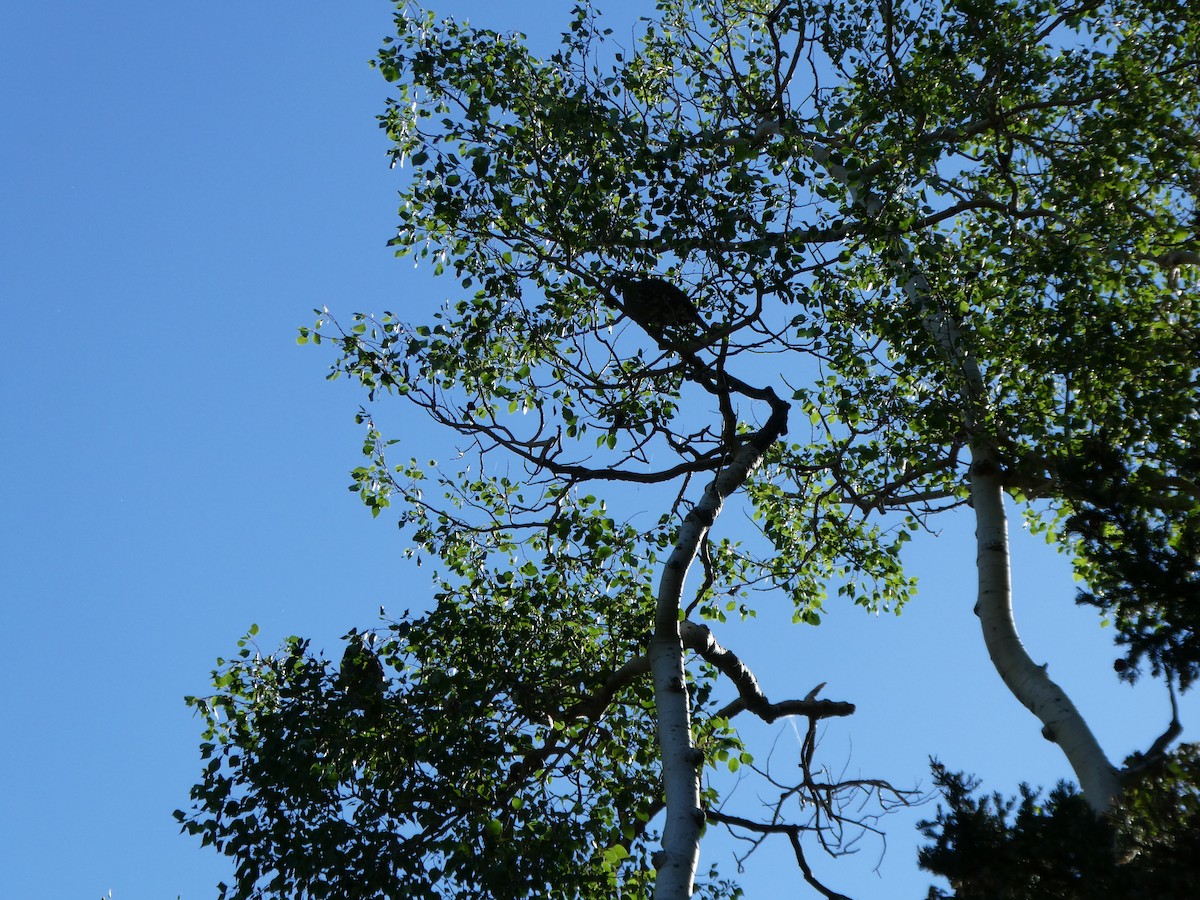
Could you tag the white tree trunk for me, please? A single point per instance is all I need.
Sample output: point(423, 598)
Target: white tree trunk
point(679, 857)
point(1028, 682)
point(676, 862)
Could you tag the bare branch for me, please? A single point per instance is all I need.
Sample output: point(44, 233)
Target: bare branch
point(750, 696)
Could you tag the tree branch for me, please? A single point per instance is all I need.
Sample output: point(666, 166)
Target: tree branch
point(750, 696)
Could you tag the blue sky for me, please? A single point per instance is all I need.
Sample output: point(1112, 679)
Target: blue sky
point(183, 184)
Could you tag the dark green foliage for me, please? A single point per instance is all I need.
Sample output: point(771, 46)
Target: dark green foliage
point(459, 782)
point(1056, 848)
point(1143, 557)
point(936, 229)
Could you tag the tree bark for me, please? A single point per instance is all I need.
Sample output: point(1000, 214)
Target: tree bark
point(1028, 682)
point(1061, 722)
point(676, 862)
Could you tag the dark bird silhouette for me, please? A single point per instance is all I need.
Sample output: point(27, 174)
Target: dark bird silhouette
point(361, 675)
point(656, 304)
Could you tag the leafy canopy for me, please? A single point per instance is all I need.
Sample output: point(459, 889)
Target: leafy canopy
point(929, 227)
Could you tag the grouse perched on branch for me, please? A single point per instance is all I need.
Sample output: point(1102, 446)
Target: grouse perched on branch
point(361, 674)
point(656, 304)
